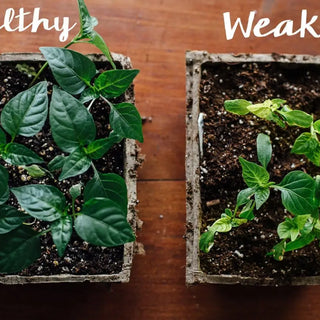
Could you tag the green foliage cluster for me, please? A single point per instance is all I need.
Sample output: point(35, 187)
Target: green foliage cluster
point(102, 219)
point(300, 193)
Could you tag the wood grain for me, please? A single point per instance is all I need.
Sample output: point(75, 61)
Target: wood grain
point(156, 34)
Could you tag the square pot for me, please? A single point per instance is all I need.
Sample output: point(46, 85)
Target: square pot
point(195, 61)
point(130, 170)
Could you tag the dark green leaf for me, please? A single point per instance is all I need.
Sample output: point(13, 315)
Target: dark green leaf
point(108, 185)
point(18, 249)
point(41, 201)
point(98, 148)
point(87, 23)
point(261, 196)
point(19, 155)
point(103, 223)
point(75, 164)
point(264, 149)
point(75, 190)
point(125, 120)
point(300, 242)
point(61, 233)
point(297, 118)
point(98, 41)
point(3, 138)
point(71, 123)
point(26, 113)
point(113, 83)
point(4, 188)
point(56, 163)
point(72, 70)
point(308, 145)
point(238, 106)
point(297, 192)
point(253, 174)
point(10, 219)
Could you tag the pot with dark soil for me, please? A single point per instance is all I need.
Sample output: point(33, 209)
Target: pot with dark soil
point(67, 166)
point(252, 167)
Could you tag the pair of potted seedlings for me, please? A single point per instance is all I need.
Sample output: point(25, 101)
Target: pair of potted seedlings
point(67, 174)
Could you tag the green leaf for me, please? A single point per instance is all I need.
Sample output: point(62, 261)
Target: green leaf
point(265, 111)
point(297, 192)
point(297, 118)
point(87, 31)
point(75, 164)
point(10, 218)
point(238, 106)
point(278, 250)
point(98, 148)
point(4, 188)
point(61, 233)
point(316, 126)
point(278, 102)
point(261, 196)
point(72, 70)
point(71, 123)
point(103, 223)
point(221, 225)
point(300, 242)
point(3, 138)
point(253, 174)
point(288, 230)
point(108, 185)
point(75, 190)
point(206, 241)
point(301, 220)
point(125, 120)
point(87, 23)
point(18, 249)
point(308, 145)
point(245, 195)
point(43, 202)
point(87, 95)
point(26, 113)
point(264, 149)
point(35, 171)
point(98, 41)
point(247, 211)
point(56, 163)
point(113, 83)
point(18, 155)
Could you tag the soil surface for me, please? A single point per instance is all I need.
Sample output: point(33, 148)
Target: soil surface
point(226, 137)
point(80, 257)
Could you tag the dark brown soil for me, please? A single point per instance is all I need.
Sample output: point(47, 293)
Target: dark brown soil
point(243, 250)
point(80, 257)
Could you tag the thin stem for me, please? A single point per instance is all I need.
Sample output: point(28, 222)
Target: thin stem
point(44, 232)
point(107, 101)
point(91, 103)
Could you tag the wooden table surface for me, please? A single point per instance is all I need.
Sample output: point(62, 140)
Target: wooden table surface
point(156, 34)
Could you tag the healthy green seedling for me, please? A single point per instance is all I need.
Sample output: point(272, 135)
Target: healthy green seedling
point(299, 195)
point(277, 111)
point(102, 219)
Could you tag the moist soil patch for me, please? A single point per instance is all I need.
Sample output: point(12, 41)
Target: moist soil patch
point(226, 137)
point(80, 258)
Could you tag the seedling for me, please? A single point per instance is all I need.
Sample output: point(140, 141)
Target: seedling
point(102, 218)
point(276, 110)
point(299, 195)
